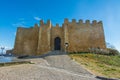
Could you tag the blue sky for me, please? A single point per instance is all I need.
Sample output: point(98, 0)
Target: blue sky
point(14, 13)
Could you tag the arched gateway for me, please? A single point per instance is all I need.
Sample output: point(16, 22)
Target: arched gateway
point(57, 43)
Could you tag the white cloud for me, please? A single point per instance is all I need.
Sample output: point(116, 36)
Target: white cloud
point(21, 23)
point(37, 18)
point(18, 25)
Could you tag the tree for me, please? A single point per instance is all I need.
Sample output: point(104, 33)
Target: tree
point(2, 49)
point(112, 50)
point(110, 45)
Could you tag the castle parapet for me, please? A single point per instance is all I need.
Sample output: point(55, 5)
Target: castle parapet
point(41, 22)
point(57, 25)
point(100, 22)
point(74, 21)
point(87, 22)
point(48, 22)
point(94, 22)
point(80, 21)
point(66, 21)
point(36, 25)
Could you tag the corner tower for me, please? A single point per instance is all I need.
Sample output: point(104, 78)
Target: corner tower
point(44, 37)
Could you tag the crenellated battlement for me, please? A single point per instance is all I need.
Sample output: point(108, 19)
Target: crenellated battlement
point(36, 26)
point(80, 21)
point(48, 22)
point(43, 23)
point(87, 22)
point(66, 21)
point(74, 21)
point(57, 25)
point(94, 22)
point(100, 22)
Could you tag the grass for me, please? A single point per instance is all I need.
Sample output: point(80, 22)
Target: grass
point(14, 63)
point(101, 65)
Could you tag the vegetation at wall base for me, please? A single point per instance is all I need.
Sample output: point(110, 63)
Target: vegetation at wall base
point(101, 65)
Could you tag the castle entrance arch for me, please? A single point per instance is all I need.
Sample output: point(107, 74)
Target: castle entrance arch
point(57, 43)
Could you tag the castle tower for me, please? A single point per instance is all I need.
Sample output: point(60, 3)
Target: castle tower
point(66, 40)
point(44, 37)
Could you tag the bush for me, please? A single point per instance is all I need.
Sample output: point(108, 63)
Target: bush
point(113, 51)
point(109, 51)
point(98, 51)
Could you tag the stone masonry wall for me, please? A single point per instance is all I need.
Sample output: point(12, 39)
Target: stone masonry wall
point(80, 36)
point(83, 36)
point(26, 41)
point(44, 37)
point(57, 31)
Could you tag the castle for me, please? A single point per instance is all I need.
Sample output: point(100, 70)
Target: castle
point(71, 36)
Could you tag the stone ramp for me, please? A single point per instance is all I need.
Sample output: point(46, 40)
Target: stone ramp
point(61, 60)
point(37, 72)
point(52, 66)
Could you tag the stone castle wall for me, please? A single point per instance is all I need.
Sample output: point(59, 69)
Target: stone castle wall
point(83, 36)
point(26, 41)
point(80, 36)
point(44, 37)
point(57, 31)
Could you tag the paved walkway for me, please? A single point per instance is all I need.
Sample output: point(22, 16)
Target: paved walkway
point(53, 66)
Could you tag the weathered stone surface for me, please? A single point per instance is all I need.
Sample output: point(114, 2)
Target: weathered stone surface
point(80, 37)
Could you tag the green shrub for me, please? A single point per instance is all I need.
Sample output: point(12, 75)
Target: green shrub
point(109, 51)
point(98, 51)
point(113, 51)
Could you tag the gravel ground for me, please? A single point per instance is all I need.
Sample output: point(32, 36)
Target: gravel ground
point(53, 66)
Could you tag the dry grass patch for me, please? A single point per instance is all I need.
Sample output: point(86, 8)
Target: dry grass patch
point(101, 65)
point(14, 63)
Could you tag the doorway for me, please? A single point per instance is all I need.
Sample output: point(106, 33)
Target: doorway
point(57, 43)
